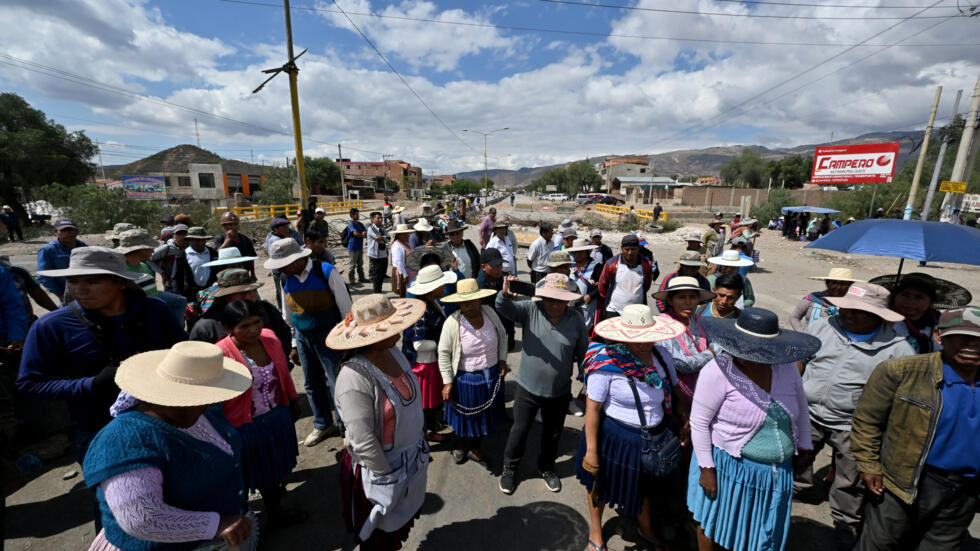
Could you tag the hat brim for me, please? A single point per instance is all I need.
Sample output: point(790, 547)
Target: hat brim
point(948, 294)
point(663, 329)
point(398, 209)
point(276, 263)
point(466, 297)
point(225, 291)
point(703, 296)
point(414, 258)
point(557, 294)
point(227, 261)
point(740, 263)
point(784, 347)
point(395, 232)
point(828, 278)
point(419, 289)
point(137, 376)
point(697, 263)
point(134, 248)
point(63, 226)
point(550, 264)
point(857, 304)
point(347, 337)
point(582, 248)
point(204, 237)
point(72, 272)
point(453, 230)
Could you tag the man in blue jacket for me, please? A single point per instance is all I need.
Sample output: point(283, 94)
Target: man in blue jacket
point(54, 255)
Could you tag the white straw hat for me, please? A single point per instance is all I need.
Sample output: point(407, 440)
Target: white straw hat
point(230, 255)
point(422, 225)
point(730, 258)
point(284, 252)
point(401, 228)
point(191, 373)
point(374, 318)
point(638, 324)
point(429, 278)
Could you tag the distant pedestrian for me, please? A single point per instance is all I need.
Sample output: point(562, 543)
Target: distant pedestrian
point(355, 247)
point(319, 223)
point(537, 254)
point(377, 250)
point(12, 222)
point(486, 227)
point(400, 249)
point(55, 256)
point(657, 211)
point(512, 199)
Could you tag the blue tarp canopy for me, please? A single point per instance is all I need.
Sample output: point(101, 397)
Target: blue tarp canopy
point(816, 210)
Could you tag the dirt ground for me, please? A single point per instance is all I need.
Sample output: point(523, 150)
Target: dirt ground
point(463, 508)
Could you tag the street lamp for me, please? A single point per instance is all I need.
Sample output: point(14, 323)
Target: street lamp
point(486, 182)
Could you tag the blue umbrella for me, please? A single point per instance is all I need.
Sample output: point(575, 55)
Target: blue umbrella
point(815, 210)
point(912, 239)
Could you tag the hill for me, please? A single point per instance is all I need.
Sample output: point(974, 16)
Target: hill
point(176, 158)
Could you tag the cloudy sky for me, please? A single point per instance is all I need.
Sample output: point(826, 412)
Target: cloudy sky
point(568, 79)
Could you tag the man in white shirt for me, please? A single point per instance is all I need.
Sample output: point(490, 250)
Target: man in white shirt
point(537, 255)
point(625, 280)
point(377, 251)
point(500, 242)
point(198, 253)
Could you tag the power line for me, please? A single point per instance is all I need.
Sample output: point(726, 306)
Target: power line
point(726, 14)
point(401, 78)
point(805, 72)
point(585, 34)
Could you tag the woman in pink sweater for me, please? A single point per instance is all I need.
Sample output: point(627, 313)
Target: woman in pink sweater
point(750, 428)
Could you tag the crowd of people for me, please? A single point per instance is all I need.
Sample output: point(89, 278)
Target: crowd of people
point(702, 414)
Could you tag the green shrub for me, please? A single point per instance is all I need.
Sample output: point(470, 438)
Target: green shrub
point(770, 209)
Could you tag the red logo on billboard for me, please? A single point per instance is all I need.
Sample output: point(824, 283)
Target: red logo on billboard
point(854, 164)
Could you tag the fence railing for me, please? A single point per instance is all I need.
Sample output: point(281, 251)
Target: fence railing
point(616, 210)
point(260, 212)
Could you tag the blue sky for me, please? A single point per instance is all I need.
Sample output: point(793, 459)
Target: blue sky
point(563, 95)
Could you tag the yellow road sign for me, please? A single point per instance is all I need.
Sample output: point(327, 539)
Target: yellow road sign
point(952, 187)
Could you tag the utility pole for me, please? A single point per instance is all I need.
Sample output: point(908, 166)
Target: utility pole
point(922, 155)
point(291, 70)
point(939, 160)
point(343, 182)
point(196, 133)
point(102, 166)
point(384, 161)
point(966, 148)
point(486, 181)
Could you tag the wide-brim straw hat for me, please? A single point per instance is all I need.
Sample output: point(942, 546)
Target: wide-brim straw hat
point(234, 280)
point(558, 287)
point(467, 290)
point(374, 318)
point(559, 258)
point(397, 209)
point(691, 258)
point(135, 240)
point(191, 373)
point(948, 294)
point(94, 261)
point(414, 259)
point(284, 252)
point(422, 225)
point(430, 278)
point(401, 228)
point(755, 336)
point(730, 258)
point(684, 283)
point(229, 255)
point(582, 244)
point(638, 324)
point(454, 226)
point(869, 297)
point(839, 274)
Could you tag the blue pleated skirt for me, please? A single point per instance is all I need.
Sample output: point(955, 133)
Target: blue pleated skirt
point(269, 448)
point(622, 482)
point(751, 511)
point(472, 389)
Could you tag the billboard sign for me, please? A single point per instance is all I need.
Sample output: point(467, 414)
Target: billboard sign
point(854, 164)
point(948, 186)
point(145, 187)
point(971, 202)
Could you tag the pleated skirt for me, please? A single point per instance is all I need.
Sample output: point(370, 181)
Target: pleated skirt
point(623, 485)
point(269, 448)
point(751, 511)
point(430, 384)
point(357, 507)
point(474, 389)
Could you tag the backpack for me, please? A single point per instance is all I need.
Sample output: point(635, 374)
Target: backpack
point(345, 237)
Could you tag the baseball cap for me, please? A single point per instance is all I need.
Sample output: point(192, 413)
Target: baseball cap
point(64, 223)
point(596, 232)
point(630, 240)
point(180, 228)
point(568, 232)
point(960, 321)
point(319, 210)
point(278, 221)
point(491, 257)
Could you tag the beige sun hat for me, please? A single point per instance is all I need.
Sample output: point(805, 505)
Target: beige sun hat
point(838, 274)
point(118, 229)
point(430, 278)
point(94, 261)
point(467, 290)
point(191, 373)
point(284, 252)
point(556, 286)
point(690, 258)
point(422, 225)
point(401, 228)
point(374, 318)
point(398, 209)
point(583, 244)
point(692, 236)
point(558, 258)
point(134, 240)
point(868, 297)
point(638, 324)
point(730, 258)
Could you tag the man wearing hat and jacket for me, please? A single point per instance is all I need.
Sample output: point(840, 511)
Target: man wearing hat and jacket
point(317, 300)
point(233, 238)
point(72, 353)
point(10, 219)
point(190, 274)
point(713, 240)
point(466, 253)
point(854, 342)
point(914, 437)
point(625, 279)
point(54, 256)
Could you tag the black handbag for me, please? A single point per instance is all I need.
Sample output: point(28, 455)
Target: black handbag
point(661, 448)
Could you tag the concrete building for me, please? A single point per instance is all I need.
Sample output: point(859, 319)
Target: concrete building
point(611, 168)
point(358, 173)
point(642, 190)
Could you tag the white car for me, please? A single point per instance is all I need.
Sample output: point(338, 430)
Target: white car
point(555, 197)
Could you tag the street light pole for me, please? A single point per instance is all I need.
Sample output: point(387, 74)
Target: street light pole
point(486, 181)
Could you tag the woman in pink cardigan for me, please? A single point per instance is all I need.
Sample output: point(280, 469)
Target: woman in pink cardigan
point(750, 428)
point(264, 414)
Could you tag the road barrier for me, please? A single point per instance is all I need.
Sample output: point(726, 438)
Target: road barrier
point(261, 212)
point(616, 210)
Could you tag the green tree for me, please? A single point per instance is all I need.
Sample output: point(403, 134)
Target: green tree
point(557, 177)
point(97, 209)
point(792, 171)
point(322, 175)
point(276, 192)
point(582, 177)
point(36, 151)
point(746, 170)
point(462, 186)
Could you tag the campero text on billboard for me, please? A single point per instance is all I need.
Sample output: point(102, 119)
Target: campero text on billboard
point(145, 187)
point(854, 164)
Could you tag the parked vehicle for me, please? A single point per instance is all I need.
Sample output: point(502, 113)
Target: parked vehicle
point(611, 200)
point(587, 198)
point(556, 197)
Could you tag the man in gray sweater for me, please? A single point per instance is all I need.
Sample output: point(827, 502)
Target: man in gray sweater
point(554, 336)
